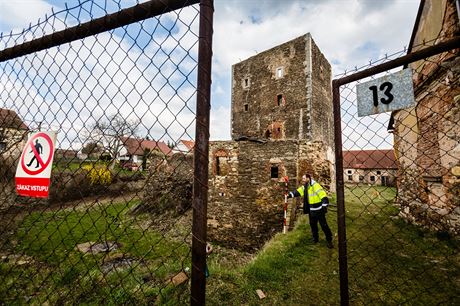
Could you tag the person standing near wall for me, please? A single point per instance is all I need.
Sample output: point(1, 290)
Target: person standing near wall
point(315, 204)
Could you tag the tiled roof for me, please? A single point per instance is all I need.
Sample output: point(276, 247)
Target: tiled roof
point(184, 146)
point(369, 159)
point(9, 119)
point(136, 146)
point(188, 143)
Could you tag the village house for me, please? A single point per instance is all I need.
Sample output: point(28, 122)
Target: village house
point(134, 150)
point(427, 136)
point(282, 126)
point(184, 146)
point(374, 167)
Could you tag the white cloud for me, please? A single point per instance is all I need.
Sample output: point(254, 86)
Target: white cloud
point(342, 29)
point(71, 86)
point(109, 74)
point(219, 90)
point(348, 32)
point(20, 13)
point(220, 123)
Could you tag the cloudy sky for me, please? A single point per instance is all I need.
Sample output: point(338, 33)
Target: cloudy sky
point(349, 33)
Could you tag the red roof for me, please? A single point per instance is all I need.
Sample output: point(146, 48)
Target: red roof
point(136, 146)
point(188, 143)
point(369, 159)
point(9, 119)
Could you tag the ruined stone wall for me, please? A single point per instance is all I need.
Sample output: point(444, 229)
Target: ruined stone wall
point(246, 203)
point(427, 141)
point(429, 186)
point(223, 185)
point(313, 159)
point(321, 112)
point(269, 93)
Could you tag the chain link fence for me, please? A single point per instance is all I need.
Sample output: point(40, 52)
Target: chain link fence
point(400, 184)
point(119, 86)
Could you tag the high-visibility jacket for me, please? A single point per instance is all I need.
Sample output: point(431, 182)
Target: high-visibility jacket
point(316, 196)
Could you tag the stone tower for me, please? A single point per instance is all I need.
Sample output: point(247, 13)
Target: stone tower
point(284, 93)
point(281, 126)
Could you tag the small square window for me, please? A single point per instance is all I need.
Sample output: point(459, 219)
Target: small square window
point(350, 178)
point(372, 178)
point(349, 171)
point(274, 172)
point(280, 100)
point(279, 72)
point(379, 172)
point(361, 178)
point(246, 82)
point(246, 107)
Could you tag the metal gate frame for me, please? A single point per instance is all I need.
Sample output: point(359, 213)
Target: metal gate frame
point(336, 83)
point(137, 13)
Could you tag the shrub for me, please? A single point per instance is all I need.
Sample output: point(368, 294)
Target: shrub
point(98, 175)
point(68, 186)
point(169, 185)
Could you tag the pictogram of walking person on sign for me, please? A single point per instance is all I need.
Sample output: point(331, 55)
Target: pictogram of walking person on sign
point(39, 149)
point(33, 173)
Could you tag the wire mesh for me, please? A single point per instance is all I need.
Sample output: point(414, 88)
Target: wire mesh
point(401, 198)
point(117, 226)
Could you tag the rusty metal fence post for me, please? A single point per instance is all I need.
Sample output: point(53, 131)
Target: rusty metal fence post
point(116, 229)
point(343, 270)
point(425, 53)
point(200, 182)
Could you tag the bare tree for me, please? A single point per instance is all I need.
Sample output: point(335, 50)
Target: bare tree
point(108, 134)
point(91, 149)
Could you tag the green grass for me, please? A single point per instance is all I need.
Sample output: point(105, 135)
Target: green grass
point(62, 274)
point(390, 262)
point(290, 270)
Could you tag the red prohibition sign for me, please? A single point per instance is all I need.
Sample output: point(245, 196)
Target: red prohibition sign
point(40, 161)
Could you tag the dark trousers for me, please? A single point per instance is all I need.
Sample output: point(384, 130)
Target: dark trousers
point(319, 216)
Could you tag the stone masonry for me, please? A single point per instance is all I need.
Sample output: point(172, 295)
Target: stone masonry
point(284, 93)
point(281, 126)
point(427, 137)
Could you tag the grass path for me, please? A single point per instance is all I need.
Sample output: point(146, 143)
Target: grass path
point(390, 262)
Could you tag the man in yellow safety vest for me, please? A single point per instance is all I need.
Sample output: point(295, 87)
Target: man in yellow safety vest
point(315, 204)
